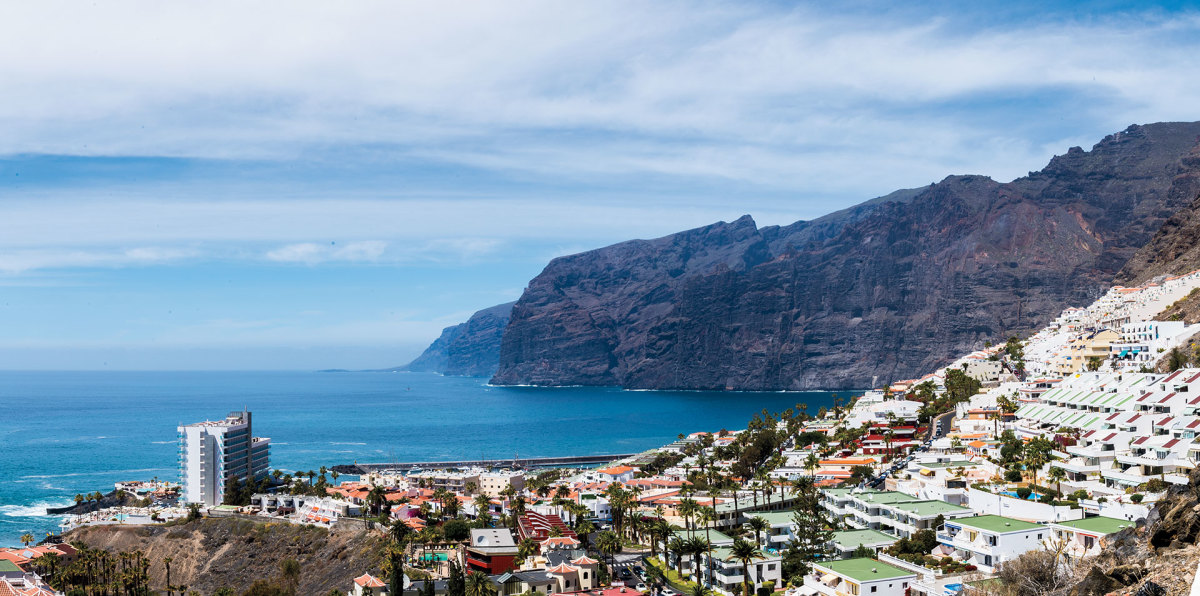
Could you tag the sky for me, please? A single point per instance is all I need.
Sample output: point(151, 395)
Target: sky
point(306, 185)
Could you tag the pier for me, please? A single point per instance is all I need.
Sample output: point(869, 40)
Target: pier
point(524, 463)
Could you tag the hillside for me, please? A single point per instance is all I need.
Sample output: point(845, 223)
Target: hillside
point(212, 553)
point(470, 349)
point(886, 290)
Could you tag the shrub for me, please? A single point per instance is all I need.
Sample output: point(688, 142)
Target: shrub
point(1078, 495)
point(1137, 497)
point(1156, 485)
point(1024, 492)
point(970, 568)
point(1013, 475)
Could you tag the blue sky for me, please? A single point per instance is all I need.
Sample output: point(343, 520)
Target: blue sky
point(306, 185)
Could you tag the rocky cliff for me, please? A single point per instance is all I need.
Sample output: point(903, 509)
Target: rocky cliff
point(886, 290)
point(470, 349)
point(1175, 248)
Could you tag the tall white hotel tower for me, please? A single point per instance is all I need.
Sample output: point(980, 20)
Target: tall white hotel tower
point(212, 453)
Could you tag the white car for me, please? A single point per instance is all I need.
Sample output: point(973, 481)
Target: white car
point(641, 587)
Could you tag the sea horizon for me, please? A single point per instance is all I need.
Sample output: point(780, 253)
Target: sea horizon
point(81, 431)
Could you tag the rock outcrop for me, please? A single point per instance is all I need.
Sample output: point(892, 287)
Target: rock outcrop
point(1175, 248)
point(886, 290)
point(470, 349)
point(209, 554)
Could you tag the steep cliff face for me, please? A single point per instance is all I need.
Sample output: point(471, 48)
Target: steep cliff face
point(1176, 247)
point(885, 290)
point(470, 349)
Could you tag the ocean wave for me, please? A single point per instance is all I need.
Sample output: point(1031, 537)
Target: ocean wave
point(37, 509)
point(341, 443)
point(96, 473)
point(163, 442)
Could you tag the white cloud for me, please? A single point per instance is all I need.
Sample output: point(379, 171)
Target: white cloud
point(24, 260)
point(778, 96)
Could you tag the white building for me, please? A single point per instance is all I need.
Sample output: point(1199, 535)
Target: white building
point(859, 577)
point(986, 541)
point(214, 453)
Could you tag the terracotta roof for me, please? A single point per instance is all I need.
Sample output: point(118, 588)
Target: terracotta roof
point(561, 569)
point(584, 560)
point(367, 580)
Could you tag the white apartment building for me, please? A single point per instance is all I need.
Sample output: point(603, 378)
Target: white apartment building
point(859, 577)
point(215, 453)
point(986, 541)
point(494, 483)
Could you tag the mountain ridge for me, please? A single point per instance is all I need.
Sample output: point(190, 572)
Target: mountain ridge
point(883, 290)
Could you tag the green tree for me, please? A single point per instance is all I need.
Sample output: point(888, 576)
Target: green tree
point(608, 543)
point(758, 525)
point(26, 539)
point(456, 584)
point(744, 552)
point(478, 584)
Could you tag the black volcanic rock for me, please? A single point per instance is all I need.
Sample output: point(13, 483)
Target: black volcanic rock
point(886, 290)
point(470, 349)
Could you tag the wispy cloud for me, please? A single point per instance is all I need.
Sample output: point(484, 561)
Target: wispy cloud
point(774, 95)
point(312, 253)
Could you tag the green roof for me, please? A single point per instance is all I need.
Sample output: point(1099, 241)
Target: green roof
point(864, 569)
point(713, 536)
point(883, 497)
point(775, 518)
point(930, 508)
point(1097, 525)
point(852, 539)
point(7, 566)
point(996, 523)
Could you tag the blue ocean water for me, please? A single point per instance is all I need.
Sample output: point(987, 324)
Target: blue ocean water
point(64, 433)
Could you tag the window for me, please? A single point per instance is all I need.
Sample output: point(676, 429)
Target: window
point(874, 588)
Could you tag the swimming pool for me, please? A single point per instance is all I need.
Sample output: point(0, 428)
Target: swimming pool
point(431, 557)
point(1013, 494)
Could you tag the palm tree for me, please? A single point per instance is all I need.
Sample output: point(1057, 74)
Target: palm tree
point(609, 543)
point(687, 508)
point(758, 524)
point(167, 562)
point(744, 553)
point(1057, 474)
point(399, 532)
point(478, 584)
point(659, 530)
point(697, 546)
point(26, 538)
point(677, 546)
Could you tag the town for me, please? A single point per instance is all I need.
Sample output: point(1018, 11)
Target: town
point(1027, 450)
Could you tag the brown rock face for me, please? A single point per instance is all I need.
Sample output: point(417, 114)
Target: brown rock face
point(470, 349)
point(1175, 248)
point(886, 290)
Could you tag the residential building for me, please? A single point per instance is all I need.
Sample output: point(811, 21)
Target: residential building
point(214, 454)
point(491, 550)
point(725, 574)
point(369, 585)
point(986, 541)
point(493, 484)
point(1084, 537)
point(847, 541)
point(859, 577)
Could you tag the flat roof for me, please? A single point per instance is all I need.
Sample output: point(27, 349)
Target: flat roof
point(949, 464)
point(851, 539)
point(775, 517)
point(865, 570)
point(930, 508)
point(1098, 525)
point(884, 497)
point(7, 566)
point(713, 536)
point(996, 523)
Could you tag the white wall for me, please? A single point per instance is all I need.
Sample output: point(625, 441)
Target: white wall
point(989, 503)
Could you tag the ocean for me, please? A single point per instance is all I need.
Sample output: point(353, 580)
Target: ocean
point(63, 433)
